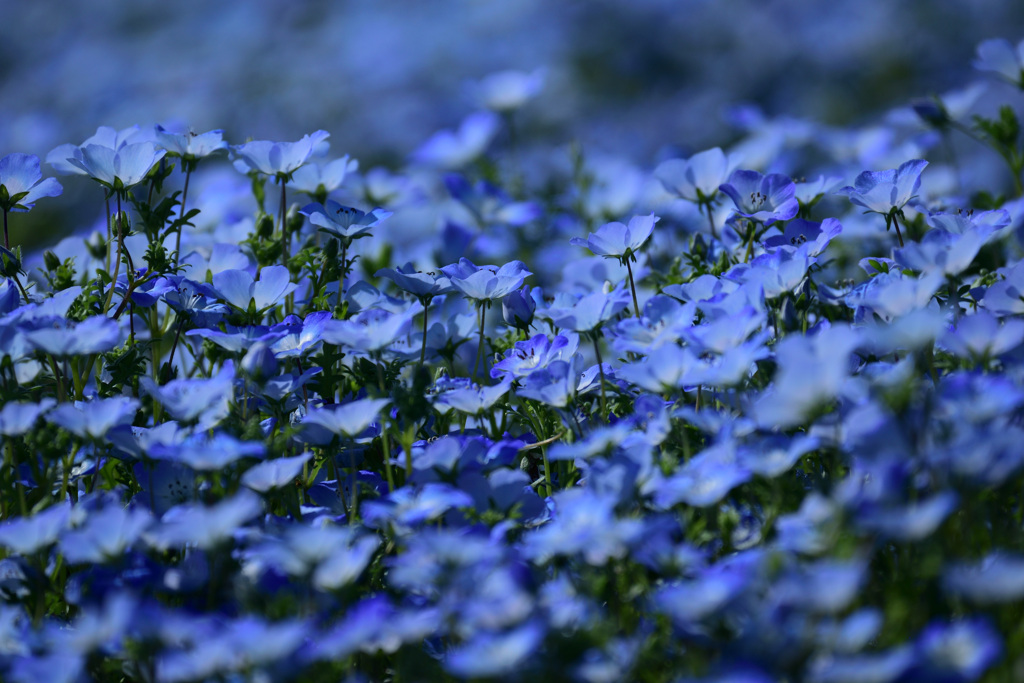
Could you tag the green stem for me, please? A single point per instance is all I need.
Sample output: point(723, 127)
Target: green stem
point(423, 346)
point(117, 263)
point(184, 198)
point(385, 441)
point(899, 235)
point(632, 287)
point(600, 369)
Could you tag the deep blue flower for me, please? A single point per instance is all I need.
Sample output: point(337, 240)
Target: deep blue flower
point(517, 308)
point(765, 199)
point(344, 222)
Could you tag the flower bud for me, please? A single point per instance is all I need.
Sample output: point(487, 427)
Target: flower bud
point(517, 308)
point(259, 362)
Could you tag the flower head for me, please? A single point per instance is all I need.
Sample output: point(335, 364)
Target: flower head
point(119, 168)
point(886, 192)
point(278, 159)
point(764, 198)
point(618, 240)
point(21, 183)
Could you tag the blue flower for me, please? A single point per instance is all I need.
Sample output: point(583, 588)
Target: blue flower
point(274, 474)
point(517, 308)
point(190, 146)
point(239, 289)
point(420, 285)
point(506, 91)
point(95, 334)
point(344, 222)
point(537, 352)
point(1002, 58)
point(448, 149)
point(618, 240)
point(765, 199)
point(348, 419)
point(21, 183)
point(495, 654)
point(698, 178)
point(189, 399)
point(118, 169)
point(887, 192)
point(486, 283)
point(204, 527)
point(205, 453)
point(93, 419)
point(319, 180)
point(277, 159)
point(589, 312)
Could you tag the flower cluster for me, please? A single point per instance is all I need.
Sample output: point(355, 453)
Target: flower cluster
point(753, 440)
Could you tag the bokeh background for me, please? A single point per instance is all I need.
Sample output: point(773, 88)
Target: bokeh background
point(641, 79)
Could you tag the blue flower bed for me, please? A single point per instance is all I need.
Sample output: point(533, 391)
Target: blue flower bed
point(697, 422)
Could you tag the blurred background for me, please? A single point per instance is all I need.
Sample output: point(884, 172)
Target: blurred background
point(639, 79)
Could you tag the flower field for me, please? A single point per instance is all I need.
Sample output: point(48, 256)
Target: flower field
point(749, 414)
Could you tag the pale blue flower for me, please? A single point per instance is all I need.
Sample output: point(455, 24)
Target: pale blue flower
point(121, 168)
point(278, 159)
point(21, 183)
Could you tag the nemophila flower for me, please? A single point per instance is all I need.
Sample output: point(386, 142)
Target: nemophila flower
point(1003, 58)
point(419, 284)
point(319, 180)
point(343, 222)
point(618, 240)
point(26, 535)
point(239, 289)
point(707, 478)
point(189, 399)
point(765, 199)
point(662, 321)
point(725, 332)
point(489, 204)
point(698, 178)
point(17, 418)
point(517, 308)
point(891, 295)
point(121, 168)
point(887, 192)
point(940, 252)
point(348, 419)
point(95, 334)
point(811, 372)
point(589, 312)
point(981, 336)
point(188, 145)
point(205, 453)
point(997, 578)
point(537, 352)
point(775, 454)
point(912, 522)
point(666, 368)
point(406, 507)
point(823, 587)
point(495, 654)
point(93, 419)
point(584, 525)
point(165, 484)
point(276, 159)
point(274, 474)
point(301, 341)
point(370, 331)
point(201, 526)
point(711, 591)
point(873, 667)
point(506, 91)
point(799, 232)
point(778, 272)
point(22, 184)
point(486, 283)
point(105, 136)
point(105, 534)
point(238, 339)
point(1006, 297)
point(957, 651)
point(452, 150)
point(474, 400)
